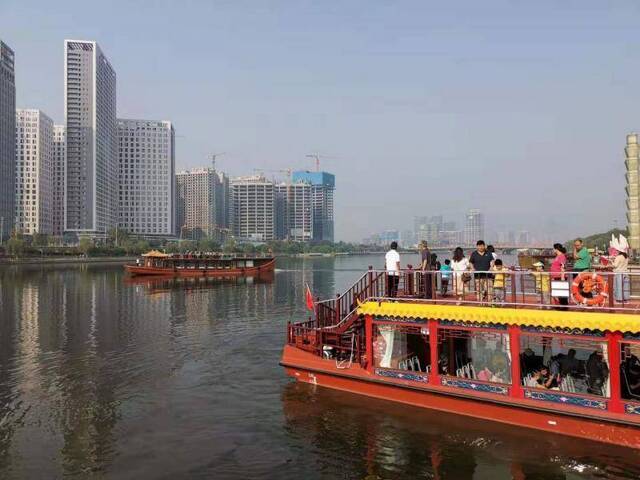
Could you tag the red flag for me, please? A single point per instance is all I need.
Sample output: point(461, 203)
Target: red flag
point(309, 299)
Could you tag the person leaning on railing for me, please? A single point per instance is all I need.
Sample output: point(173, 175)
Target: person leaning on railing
point(621, 277)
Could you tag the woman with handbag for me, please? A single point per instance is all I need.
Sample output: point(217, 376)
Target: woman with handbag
point(461, 274)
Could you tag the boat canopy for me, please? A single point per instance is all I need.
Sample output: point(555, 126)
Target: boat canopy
point(155, 254)
point(507, 316)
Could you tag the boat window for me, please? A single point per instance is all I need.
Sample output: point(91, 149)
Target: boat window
point(479, 355)
point(401, 347)
point(630, 371)
point(565, 364)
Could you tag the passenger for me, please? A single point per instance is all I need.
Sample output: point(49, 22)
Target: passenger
point(491, 249)
point(598, 372)
point(621, 277)
point(569, 364)
point(392, 265)
point(499, 282)
point(545, 379)
point(543, 284)
point(481, 261)
point(581, 257)
point(529, 362)
point(557, 269)
point(426, 266)
point(460, 267)
point(445, 276)
point(631, 377)
point(435, 263)
point(485, 375)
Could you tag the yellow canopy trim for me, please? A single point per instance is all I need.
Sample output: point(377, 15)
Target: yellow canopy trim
point(155, 254)
point(506, 316)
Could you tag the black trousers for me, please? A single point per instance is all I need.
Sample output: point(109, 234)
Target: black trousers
point(392, 285)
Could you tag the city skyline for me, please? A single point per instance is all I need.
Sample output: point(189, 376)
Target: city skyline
point(437, 127)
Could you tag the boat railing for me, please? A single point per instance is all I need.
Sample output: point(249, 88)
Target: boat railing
point(592, 290)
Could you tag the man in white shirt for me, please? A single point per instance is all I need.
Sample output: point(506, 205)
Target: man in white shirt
point(392, 265)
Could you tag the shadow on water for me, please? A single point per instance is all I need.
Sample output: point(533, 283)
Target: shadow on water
point(107, 379)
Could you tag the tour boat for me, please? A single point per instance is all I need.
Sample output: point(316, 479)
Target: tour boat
point(201, 265)
point(559, 354)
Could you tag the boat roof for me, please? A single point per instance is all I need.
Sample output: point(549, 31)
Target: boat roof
point(155, 254)
point(507, 316)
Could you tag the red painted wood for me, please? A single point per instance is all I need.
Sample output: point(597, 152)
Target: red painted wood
point(514, 346)
point(368, 325)
point(615, 405)
point(434, 377)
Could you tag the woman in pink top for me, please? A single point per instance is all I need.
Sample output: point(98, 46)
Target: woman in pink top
point(557, 268)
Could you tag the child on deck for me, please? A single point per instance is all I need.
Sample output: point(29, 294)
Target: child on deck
point(543, 283)
point(445, 275)
point(499, 281)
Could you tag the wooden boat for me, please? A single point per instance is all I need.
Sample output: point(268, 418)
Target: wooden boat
point(466, 354)
point(200, 265)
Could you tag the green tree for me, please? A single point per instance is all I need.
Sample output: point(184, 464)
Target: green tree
point(208, 245)
point(229, 246)
point(117, 236)
point(40, 240)
point(16, 246)
point(86, 245)
point(142, 246)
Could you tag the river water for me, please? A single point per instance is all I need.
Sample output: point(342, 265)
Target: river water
point(102, 378)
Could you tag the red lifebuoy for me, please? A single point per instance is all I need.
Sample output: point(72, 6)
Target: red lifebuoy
point(589, 282)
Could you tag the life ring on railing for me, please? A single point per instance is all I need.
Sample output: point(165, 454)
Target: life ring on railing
point(590, 289)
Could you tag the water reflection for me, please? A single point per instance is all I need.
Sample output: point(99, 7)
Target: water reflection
point(102, 377)
point(368, 438)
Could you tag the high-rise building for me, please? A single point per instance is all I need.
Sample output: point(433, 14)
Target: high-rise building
point(474, 227)
point(34, 172)
point(91, 201)
point(294, 212)
point(253, 200)
point(59, 160)
point(147, 177)
point(202, 203)
point(7, 139)
point(323, 187)
point(632, 163)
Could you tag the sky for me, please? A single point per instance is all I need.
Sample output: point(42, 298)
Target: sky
point(519, 109)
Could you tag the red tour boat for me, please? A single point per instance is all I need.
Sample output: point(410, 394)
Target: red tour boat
point(200, 265)
point(539, 358)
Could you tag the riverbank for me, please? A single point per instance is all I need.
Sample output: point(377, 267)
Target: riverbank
point(64, 260)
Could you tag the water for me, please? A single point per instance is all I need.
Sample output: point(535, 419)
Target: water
point(100, 378)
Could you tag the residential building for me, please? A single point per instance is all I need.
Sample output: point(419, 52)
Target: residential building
point(202, 204)
point(632, 163)
point(474, 227)
point(34, 172)
point(59, 160)
point(253, 200)
point(323, 187)
point(147, 177)
point(7, 139)
point(294, 212)
point(91, 201)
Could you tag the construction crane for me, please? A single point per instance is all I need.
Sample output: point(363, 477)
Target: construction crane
point(317, 158)
point(213, 157)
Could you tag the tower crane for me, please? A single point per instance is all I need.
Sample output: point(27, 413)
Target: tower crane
point(213, 157)
point(317, 158)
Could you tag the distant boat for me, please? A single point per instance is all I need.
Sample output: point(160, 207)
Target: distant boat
point(200, 265)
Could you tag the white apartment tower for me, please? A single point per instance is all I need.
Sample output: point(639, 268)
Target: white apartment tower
point(253, 200)
point(91, 201)
point(59, 160)
point(34, 172)
point(203, 198)
point(147, 185)
point(294, 209)
point(632, 163)
point(7, 139)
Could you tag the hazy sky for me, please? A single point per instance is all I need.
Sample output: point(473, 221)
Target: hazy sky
point(517, 108)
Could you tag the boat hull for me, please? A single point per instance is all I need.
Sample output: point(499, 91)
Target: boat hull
point(139, 270)
point(305, 367)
